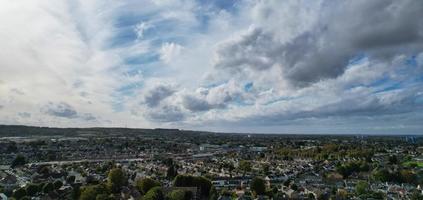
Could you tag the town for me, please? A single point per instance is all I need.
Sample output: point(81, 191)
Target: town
point(156, 164)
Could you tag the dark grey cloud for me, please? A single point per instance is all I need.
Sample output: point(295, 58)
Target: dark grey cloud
point(251, 50)
point(195, 104)
point(379, 29)
point(395, 24)
point(391, 103)
point(64, 110)
point(1, 106)
point(157, 94)
point(60, 109)
point(167, 113)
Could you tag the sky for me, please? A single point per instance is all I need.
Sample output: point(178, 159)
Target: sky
point(255, 66)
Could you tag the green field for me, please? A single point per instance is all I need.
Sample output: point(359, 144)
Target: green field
point(409, 163)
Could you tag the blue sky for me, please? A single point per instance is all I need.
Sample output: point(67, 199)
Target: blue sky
point(227, 65)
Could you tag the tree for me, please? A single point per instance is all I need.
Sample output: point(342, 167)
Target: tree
point(294, 187)
point(213, 193)
point(57, 184)
point(377, 195)
point(88, 193)
point(91, 192)
point(12, 148)
point(19, 193)
point(323, 196)
point(48, 188)
point(172, 172)
point(32, 189)
point(145, 184)
point(407, 176)
point(104, 197)
point(155, 193)
point(393, 160)
point(258, 186)
point(70, 179)
point(245, 166)
point(287, 182)
point(180, 195)
point(18, 161)
point(44, 170)
point(416, 195)
point(76, 192)
point(382, 175)
point(269, 193)
point(361, 187)
point(203, 183)
point(116, 179)
point(227, 195)
point(266, 169)
point(168, 162)
point(342, 194)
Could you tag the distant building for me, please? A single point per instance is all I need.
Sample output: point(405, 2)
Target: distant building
point(202, 156)
point(258, 149)
point(209, 147)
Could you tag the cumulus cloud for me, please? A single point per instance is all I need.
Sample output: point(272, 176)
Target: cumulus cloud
point(155, 95)
point(217, 97)
point(379, 29)
point(166, 113)
point(263, 65)
point(249, 50)
point(195, 104)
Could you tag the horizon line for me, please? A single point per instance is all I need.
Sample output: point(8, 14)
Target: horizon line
point(219, 132)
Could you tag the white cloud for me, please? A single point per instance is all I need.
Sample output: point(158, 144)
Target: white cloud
point(170, 51)
point(57, 52)
point(85, 63)
point(141, 28)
